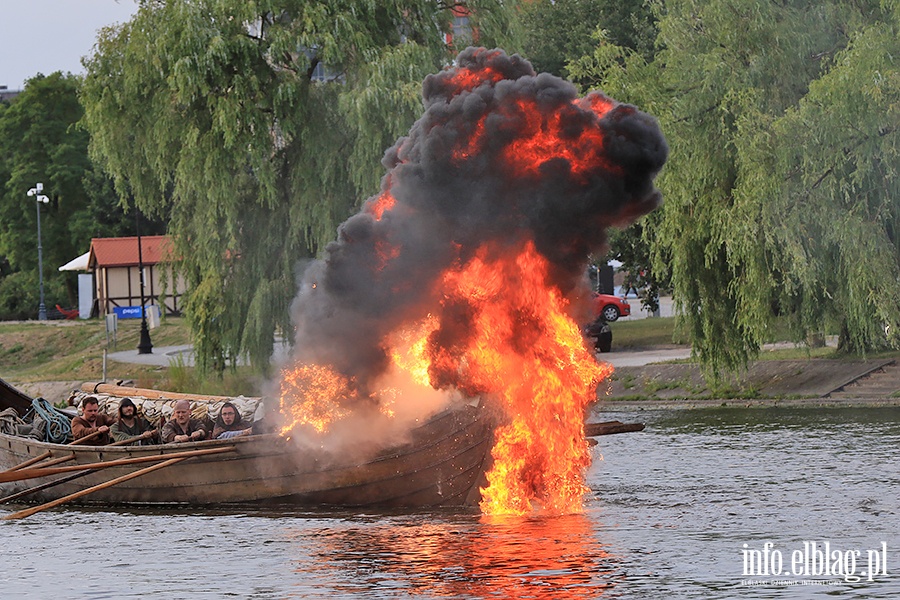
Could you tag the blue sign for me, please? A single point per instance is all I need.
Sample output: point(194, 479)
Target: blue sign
point(127, 312)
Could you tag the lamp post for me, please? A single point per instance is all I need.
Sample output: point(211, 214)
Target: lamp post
point(145, 346)
point(36, 191)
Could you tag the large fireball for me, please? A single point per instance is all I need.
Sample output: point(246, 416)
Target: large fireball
point(465, 274)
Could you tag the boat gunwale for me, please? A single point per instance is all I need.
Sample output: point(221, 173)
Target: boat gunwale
point(460, 430)
point(409, 466)
point(476, 422)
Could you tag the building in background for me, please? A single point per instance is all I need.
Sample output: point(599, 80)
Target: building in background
point(461, 34)
point(8, 94)
point(117, 283)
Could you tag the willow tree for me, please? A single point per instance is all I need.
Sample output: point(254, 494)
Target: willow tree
point(556, 32)
point(830, 197)
point(771, 199)
point(256, 128)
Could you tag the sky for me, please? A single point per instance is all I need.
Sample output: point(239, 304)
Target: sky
point(44, 36)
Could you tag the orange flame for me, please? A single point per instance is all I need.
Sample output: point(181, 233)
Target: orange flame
point(546, 140)
point(318, 396)
point(522, 351)
point(545, 136)
point(465, 79)
point(598, 103)
point(383, 203)
point(410, 350)
point(385, 253)
point(311, 395)
point(530, 355)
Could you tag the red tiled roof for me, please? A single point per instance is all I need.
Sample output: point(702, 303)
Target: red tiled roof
point(123, 251)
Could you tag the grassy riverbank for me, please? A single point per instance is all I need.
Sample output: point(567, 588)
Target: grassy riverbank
point(72, 351)
point(641, 334)
point(53, 350)
point(48, 350)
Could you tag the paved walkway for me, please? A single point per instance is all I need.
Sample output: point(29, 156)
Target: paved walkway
point(643, 357)
point(165, 356)
point(162, 356)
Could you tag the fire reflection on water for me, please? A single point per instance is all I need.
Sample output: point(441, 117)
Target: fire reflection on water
point(472, 556)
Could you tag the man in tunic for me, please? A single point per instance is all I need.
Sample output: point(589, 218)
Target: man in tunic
point(130, 425)
point(229, 423)
point(90, 422)
point(182, 428)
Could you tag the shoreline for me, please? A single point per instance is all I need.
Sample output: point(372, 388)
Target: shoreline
point(612, 405)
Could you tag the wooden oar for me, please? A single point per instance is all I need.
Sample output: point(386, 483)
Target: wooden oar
point(44, 486)
point(49, 453)
point(87, 438)
point(608, 428)
point(55, 461)
point(32, 473)
point(30, 511)
point(31, 461)
point(56, 482)
point(136, 438)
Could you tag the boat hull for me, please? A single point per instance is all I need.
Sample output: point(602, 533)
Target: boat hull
point(442, 464)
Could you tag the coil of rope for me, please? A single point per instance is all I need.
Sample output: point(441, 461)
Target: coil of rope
point(58, 426)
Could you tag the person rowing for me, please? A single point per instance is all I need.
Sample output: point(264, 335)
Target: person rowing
point(229, 423)
point(183, 428)
point(131, 425)
point(91, 422)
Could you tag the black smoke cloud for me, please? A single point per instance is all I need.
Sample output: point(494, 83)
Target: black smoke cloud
point(457, 187)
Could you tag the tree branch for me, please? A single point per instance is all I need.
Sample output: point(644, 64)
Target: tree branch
point(882, 131)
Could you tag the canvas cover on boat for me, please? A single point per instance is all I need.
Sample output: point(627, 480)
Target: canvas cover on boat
point(154, 408)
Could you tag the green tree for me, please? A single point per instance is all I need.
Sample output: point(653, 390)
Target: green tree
point(745, 92)
point(5, 268)
point(256, 128)
point(558, 32)
point(41, 142)
point(632, 247)
point(830, 197)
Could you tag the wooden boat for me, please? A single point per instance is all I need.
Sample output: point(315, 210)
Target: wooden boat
point(442, 463)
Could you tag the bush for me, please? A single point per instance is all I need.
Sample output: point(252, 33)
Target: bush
point(20, 295)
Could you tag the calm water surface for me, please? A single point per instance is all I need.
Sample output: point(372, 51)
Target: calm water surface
point(668, 514)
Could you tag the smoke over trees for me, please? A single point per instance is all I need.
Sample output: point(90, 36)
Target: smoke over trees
point(500, 158)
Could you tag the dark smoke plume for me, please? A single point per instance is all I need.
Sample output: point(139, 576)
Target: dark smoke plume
point(500, 155)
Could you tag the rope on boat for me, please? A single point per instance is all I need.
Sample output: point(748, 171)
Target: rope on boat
point(58, 426)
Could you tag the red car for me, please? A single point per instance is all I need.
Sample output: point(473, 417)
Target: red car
point(611, 307)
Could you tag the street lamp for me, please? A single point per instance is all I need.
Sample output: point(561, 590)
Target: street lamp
point(36, 191)
point(145, 346)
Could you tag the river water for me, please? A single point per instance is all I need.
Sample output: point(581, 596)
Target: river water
point(668, 515)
